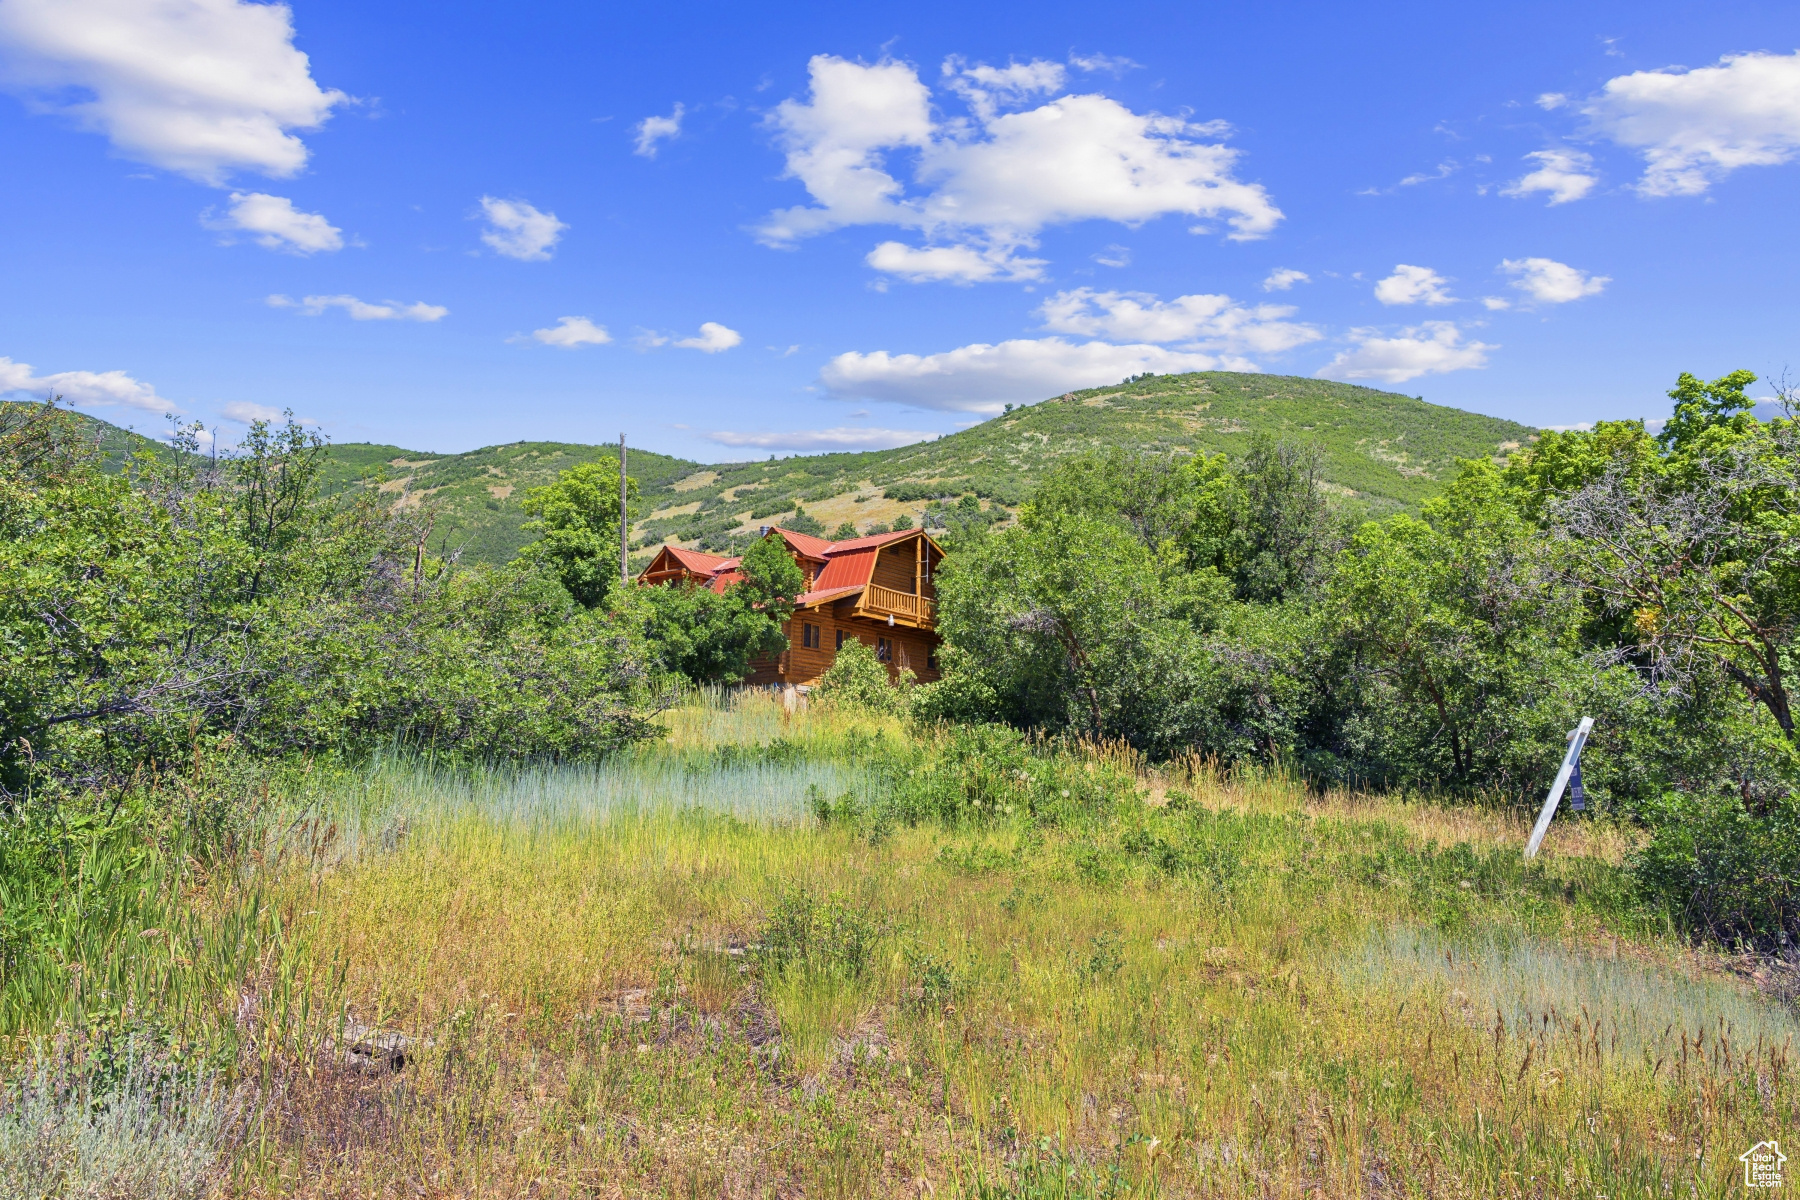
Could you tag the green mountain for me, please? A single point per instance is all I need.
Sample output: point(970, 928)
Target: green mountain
point(1385, 450)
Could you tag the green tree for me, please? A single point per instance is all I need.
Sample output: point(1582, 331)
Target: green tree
point(1091, 633)
point(844, 532)
point(860, 680)
point(1459, 630)
point(576, 520)
point(804, 522)
point(1701, 555)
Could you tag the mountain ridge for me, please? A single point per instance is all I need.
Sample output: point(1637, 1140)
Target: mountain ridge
point(1385, 450)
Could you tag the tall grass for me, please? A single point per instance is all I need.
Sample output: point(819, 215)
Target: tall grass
point(661, 975)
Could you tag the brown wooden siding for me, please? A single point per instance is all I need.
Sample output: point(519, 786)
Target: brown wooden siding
point(894, 567)
point(801, 664)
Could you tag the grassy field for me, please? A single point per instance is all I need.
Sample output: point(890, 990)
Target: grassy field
point(731, 965)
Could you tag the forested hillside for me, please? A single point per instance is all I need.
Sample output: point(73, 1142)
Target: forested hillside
point(1386, 450)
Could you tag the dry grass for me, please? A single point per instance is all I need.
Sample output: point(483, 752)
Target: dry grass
point(608, 995)
point(595, 1020)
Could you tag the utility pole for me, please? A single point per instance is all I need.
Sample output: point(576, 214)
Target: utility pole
point(624, 522)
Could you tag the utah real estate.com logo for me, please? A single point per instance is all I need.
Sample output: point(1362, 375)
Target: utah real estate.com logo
point(1762, 1165)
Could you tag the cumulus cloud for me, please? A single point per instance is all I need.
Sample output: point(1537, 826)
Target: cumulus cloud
point(203, 87)
point(1549, 282)
point(983, 378)
point(985, 89)
point(1283, 278)
point(1693, 127)
point(1551, 100)
point(990, 182)
point(570, 332)
point(274, 222)
point(1414, 285)
point(712, 338)
point(1431, 348)
point(953, 264)
point(88, 388)
point(1566, 174)
point(363, 310)
point(1204, 322)
point(247, 412)
point(841, 438)
point(518, 230)
point(652, 130)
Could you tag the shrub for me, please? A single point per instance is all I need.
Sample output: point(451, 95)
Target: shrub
point(145, 1131)
point(857, 679)
point(829, 932)
point(1724, 869)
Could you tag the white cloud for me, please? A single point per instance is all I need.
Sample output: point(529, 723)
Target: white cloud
point(570, 332)
point(277, 224)
point(1114, 256)
point(953, 264)
point(99, 388)
point(1414, 285)
point(518, 230)
point(986, 88)
point(203, 87)
point(1496, 303)
point(1283, 278)
point(1205, 322)
point(1110, 63)
point(652, 130)
point(247, 412)
point(992, 181)
point(363, 310)
point(982, 378)
point(1549, 282)
point(1693, 127)
point(1566, 174)
point(1551, 100)
point(712, 338)
point(1432, 348)
point(841, 438)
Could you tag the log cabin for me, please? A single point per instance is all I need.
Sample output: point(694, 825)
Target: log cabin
point(877, 590)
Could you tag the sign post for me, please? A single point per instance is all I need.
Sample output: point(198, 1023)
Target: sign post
point(624, 522)
point(1570, 763)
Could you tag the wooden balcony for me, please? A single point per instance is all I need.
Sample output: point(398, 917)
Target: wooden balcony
point(906, 608)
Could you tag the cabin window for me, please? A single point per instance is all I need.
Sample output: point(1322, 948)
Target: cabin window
point(931, 659)
point(884, 649)
point(809, 636)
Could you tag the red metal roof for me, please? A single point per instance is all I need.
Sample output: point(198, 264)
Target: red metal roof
point(848, 565)
point(805, 543)
point(864, 543)
point(695, 560)
point(850, 569)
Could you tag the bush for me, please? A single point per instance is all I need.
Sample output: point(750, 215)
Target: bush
point(829, 932)
point(982, 773)
point(857, 679)
point(1725, 870)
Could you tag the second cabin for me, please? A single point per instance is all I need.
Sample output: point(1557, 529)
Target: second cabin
point(876, 590)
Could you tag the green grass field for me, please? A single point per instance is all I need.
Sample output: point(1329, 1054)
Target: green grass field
point(668, 975)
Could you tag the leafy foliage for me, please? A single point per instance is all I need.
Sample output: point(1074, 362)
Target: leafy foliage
point(860, 680)
point(182, 601)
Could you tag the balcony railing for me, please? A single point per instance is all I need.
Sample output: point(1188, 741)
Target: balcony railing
point(902, 604)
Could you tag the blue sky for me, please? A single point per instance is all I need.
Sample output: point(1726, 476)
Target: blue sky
point(729, 231)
